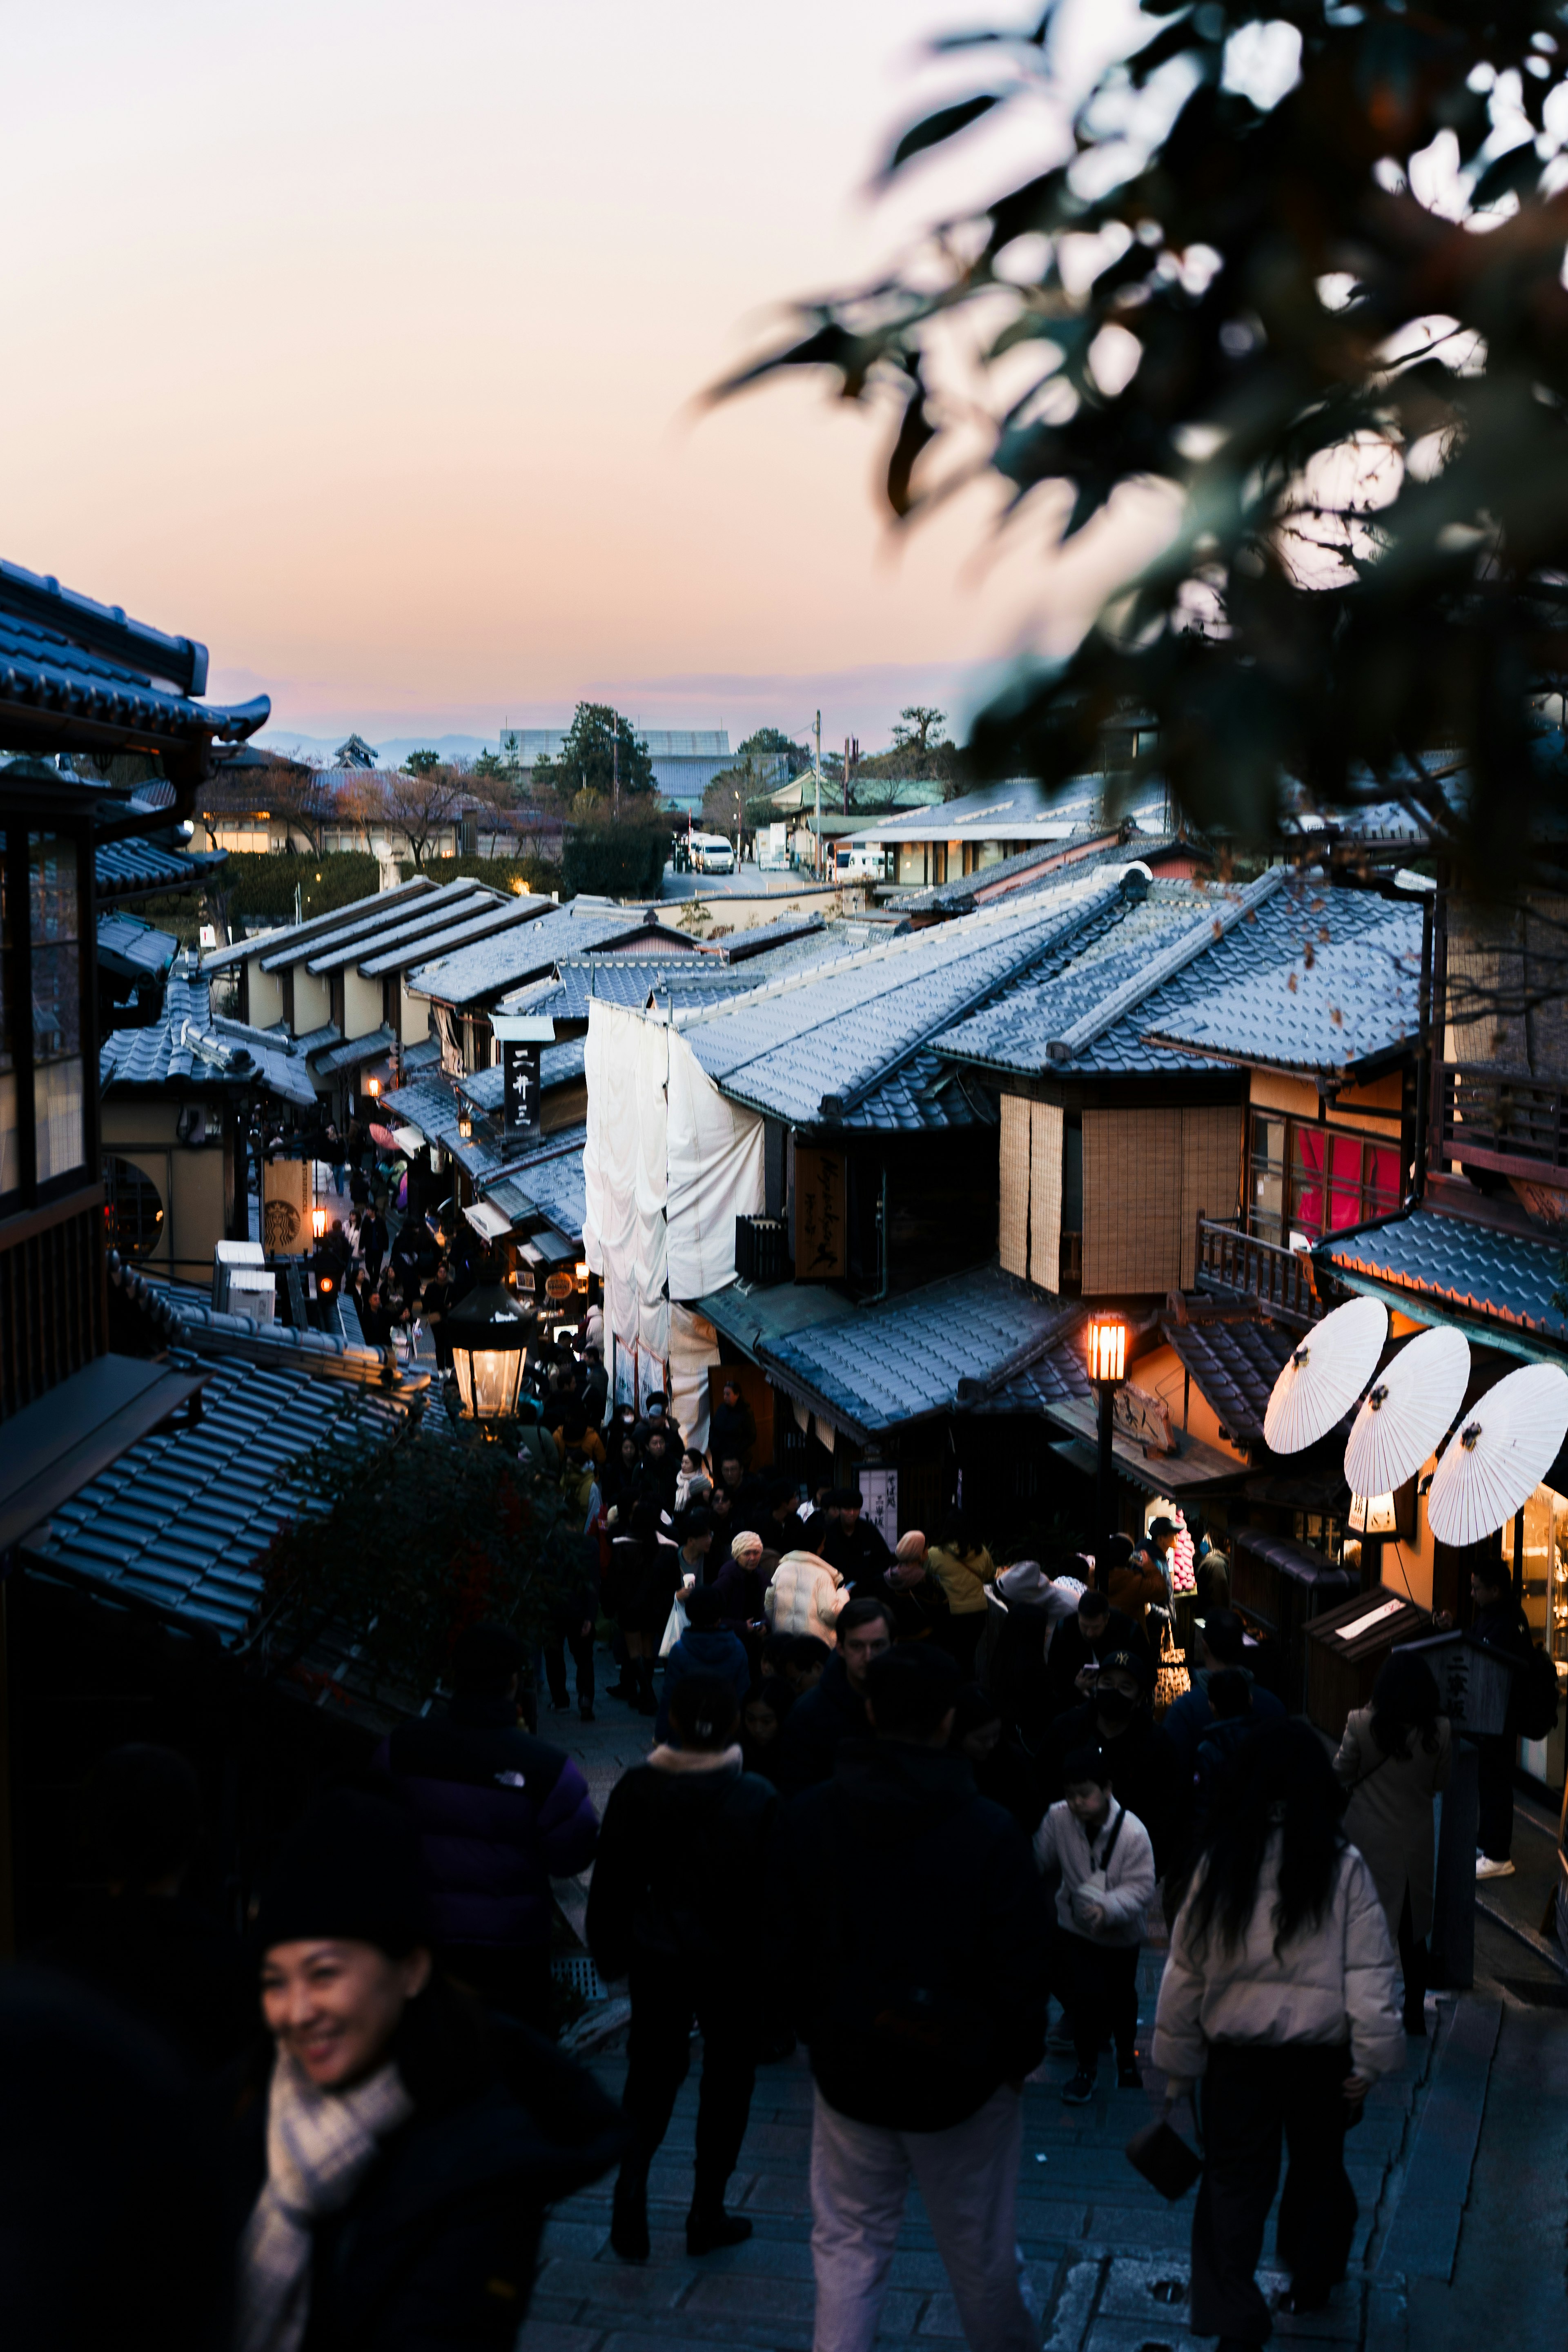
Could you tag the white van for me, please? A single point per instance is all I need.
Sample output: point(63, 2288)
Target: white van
point(712, 852)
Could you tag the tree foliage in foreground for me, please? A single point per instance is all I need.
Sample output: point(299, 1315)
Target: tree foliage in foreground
point(1325, 310)
point(395, 1551)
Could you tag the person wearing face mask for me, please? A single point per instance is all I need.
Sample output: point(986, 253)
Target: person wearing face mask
point(1106, 1867)
point(390, 2180)
point(1116, 1719)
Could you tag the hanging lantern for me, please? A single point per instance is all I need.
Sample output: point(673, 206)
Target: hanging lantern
point(488, 1334)
point(318, 1223)
point(1372, 1514)
point(465, 1125)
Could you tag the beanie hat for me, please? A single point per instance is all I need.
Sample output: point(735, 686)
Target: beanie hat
point(746, 1546)
point(912, 1546)
point(351, 1873)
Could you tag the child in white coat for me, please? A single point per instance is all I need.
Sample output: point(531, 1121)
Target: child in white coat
point(1107, 1866)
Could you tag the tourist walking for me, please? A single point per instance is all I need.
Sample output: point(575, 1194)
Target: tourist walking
point(913, 1934)
point(1393, 1760)
point(675, 1906)
point(1278, 2000)
point(834, 1709)
point(1105, 1867)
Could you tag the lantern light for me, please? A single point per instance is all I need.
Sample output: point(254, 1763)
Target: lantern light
point(489, 1334)
point(1107, 1349)
point(318, 1223)
point(1373, 1515)
point(373, 1088)
point(465, 1125)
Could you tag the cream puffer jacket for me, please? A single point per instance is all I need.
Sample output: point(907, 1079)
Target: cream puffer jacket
point(1333, 1982)
point(805, 1597)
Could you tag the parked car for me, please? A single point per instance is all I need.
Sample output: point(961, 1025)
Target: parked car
point(712, 852)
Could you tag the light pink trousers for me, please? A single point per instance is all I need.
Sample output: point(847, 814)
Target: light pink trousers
point(968, 2179)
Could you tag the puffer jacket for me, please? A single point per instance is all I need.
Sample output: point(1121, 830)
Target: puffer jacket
point(1333, 1982)
point(963, 1576)
point(805, 1596)
point(1062, 1842)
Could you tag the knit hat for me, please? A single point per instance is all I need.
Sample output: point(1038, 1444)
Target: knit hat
point(746, 1546)
point(349, 1872)
point(912, 1546)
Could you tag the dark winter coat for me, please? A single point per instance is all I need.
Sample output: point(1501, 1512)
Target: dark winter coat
point(1016, 1674)
point(740, 1591)
point(500, 1814)
point(166, 1961)
point(720, 1653)
point(819, 1721)
point(1503, 1628)
point(643, 1583)
point(913, 1930)
point(1189, 1722)
point(860, 1555)
point(435, 2250)
point(683, 1859)
point(731, 1430)
point(1071, 1652)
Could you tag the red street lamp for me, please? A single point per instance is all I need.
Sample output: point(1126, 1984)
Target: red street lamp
point(1107, 1370)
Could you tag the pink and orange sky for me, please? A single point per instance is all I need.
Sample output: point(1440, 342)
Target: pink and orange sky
point(359, 338)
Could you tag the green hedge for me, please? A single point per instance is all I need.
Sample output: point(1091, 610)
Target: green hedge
point(623, 861)
point(258, 885)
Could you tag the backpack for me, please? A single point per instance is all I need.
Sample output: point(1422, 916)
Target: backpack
point(1535, 1693)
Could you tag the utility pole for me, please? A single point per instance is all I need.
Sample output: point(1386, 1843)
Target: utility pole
point(817, 771)
point(615, 770)
point(846, 775)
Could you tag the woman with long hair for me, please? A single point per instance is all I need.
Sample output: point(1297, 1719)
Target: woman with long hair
point(1279, 1997)
point(1393, 1760)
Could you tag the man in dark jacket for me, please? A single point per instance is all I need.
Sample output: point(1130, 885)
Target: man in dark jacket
point(707, 1647)
point(1083, 1642)
point(499, 1815)
point(733, 1428)
point(913, 1930)
point(675, 1906)
point(1223, 1648)
point(835, 1710)
point(853, 1545)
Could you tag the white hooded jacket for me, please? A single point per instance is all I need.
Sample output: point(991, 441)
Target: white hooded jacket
point(1333, 1983)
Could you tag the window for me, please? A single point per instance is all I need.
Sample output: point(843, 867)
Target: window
point(45, 1113)
point(132, 1212)
point(1309, 1180)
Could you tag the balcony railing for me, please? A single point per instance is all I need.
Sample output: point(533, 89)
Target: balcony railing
point(1507, 1120)
point(1279, 1279)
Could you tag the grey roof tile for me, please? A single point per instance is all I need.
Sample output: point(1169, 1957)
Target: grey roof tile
point(488, 967)
point(1358, 1001)
point(1235, 1361)
point(903, 1359)
point(170, 1521)
point(130, 948)
point(1017, 1034)
point(1498, 1277)
point(129, 869)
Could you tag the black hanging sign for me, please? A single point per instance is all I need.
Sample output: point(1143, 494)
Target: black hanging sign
point(519, 1064)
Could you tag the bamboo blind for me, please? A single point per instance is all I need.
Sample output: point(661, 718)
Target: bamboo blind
point(1013, 1222)
point(1211, 1174)
point(1046, 1126)
point(1131, 1200)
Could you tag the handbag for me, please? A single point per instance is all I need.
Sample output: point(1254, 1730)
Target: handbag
point(1172, 1680)
point(1165, 2159)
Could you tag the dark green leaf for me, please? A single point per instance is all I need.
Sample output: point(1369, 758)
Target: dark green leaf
point(945, 124)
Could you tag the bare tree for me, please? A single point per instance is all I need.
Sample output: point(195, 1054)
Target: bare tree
point(421, 807)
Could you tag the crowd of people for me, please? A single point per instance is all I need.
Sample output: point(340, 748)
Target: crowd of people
point(899, 1800)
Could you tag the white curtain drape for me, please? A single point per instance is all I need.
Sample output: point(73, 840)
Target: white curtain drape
point(715, 1175)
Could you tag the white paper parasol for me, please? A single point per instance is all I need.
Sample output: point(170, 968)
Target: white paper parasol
point(1494, 1464)
point(1407, 1409)
point(1323, 1379)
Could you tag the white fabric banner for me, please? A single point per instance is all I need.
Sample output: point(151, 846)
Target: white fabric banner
point(693, 1348)
point(715, 1175)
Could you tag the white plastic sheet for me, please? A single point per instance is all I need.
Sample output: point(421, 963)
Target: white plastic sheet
point(693, 1348)
point(715, 1159)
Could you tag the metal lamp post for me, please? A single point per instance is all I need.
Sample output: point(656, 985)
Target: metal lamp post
point(490, 1333)
point(1107, 1370)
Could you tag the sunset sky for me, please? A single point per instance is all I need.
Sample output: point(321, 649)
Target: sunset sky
point(361, 340)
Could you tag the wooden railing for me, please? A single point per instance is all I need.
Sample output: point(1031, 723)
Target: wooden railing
point(1505, 1120)
point(1279, 1279)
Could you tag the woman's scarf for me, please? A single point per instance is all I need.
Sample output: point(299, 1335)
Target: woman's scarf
point(319, 2145)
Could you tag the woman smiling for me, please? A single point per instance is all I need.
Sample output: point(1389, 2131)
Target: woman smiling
point(392, 2183)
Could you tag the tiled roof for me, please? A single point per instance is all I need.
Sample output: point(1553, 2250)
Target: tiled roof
point(181, 1520)
point(1495, 1277)
point(1357, 1002)
point(548, 1184)
point(490, 966)
point(188, 1045)
point(106, 676)
point(1020, 809)
point(1061, 1371)
point(1018, 1033)
point(869, 1020)
point(558, 1066)
point(136, 869)
point(293, 942)
point(1049, 862)
point(355, 1052)
point(1235, 1364)
point(130, 949)
point(903, 1359)
point(430, 1104)
point(378, 939)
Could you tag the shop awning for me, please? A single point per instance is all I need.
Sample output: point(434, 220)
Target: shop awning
point(487, 1219)
point(409, 1138)
point(548, 1247)
point(1194, 1466)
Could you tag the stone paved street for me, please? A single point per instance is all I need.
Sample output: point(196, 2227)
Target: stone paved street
point(1106, 2259)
